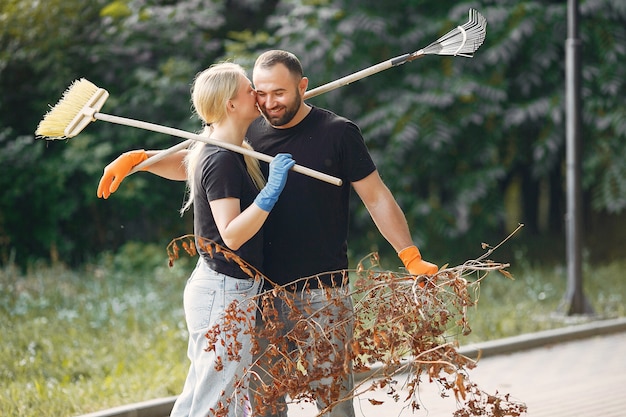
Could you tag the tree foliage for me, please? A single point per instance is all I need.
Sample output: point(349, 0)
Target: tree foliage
point(462, 142)
point(146, 55)
point(469, 147)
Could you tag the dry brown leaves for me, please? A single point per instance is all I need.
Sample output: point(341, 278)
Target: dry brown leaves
point(402, 327)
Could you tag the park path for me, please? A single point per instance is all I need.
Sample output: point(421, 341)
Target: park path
point(579, 371)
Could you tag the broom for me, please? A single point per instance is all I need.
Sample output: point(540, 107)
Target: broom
point(80, 105)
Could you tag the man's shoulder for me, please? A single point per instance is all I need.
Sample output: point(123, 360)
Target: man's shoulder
point(326, 113)
point(258, 123)
point(329, 117)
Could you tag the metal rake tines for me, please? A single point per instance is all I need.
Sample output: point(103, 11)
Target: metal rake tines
point(463, 40)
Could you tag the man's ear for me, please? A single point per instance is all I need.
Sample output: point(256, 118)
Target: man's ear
point(303, 84)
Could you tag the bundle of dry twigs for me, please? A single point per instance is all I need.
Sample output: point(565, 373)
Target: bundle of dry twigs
point(402, 326)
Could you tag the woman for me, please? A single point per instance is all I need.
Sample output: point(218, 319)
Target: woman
point(229, 210)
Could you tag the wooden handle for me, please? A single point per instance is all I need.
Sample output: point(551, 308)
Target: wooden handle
point(187, 135)
point(160, 155)
point(374, 69)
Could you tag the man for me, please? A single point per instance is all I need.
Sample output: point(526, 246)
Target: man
point(306, 233)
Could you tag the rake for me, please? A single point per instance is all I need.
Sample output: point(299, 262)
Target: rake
point(460, 41)
point(82, 101)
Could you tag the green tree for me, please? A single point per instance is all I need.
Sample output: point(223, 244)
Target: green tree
point(41, 47)
point(469, 147)
point(145, 54)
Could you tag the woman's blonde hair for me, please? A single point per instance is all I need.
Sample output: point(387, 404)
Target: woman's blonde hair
point(210, 92)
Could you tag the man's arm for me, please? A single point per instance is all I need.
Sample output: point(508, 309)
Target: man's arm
point(391, 222)
point(384, 210)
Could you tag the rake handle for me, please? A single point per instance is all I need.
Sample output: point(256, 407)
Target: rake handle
point(192, 136)
point(393, 62)
point(161, 155)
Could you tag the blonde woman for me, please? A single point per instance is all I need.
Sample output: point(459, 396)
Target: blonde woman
point(223, 188)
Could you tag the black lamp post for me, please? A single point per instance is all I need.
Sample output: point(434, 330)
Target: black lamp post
point(575, 301)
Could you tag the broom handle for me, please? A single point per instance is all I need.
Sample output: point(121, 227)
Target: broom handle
point(160, 155)
point(192, 136)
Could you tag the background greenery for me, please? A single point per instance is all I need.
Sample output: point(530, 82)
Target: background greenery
point(112, 332)
point(470, 147)
point(91, 317)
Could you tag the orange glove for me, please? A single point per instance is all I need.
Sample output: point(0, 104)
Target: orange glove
point(413, 262)
point(117, 170)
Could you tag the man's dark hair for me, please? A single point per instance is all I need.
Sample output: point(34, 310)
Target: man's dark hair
point(270, 58)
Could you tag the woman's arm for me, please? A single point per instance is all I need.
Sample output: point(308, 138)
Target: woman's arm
point(237, 228)
point(170, 167)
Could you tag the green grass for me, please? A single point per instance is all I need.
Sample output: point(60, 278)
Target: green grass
point(79, 341)
point(113, 333)
point(535, 299)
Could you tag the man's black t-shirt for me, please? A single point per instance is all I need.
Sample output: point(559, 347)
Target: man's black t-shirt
point(306, 232)
point(221, 174)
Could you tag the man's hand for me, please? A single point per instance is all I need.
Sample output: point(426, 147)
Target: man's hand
point(413, 262)
point(117, 170)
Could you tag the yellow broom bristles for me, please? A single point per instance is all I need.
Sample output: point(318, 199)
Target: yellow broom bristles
point(72, 102)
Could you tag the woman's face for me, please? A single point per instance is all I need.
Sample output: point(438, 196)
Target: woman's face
point(245, 100)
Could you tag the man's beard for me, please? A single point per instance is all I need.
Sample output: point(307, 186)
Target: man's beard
point(290, 112)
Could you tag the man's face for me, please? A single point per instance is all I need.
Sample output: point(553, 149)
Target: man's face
point(278, 94)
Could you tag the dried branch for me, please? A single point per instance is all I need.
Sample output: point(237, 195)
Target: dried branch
point(403, 326)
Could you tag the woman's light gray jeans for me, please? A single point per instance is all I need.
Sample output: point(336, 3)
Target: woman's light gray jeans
point(212, 378)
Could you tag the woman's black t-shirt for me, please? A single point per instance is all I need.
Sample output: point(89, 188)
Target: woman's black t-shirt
point(222, 173)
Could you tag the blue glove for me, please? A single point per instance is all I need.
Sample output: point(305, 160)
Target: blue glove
point(276, 180)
